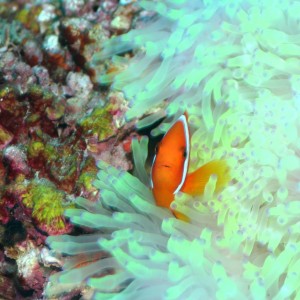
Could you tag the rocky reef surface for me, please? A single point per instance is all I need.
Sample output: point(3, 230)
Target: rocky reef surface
point(56, 122)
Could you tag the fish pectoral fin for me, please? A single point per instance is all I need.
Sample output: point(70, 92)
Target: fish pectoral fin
point(180, 216)
point(195, 182)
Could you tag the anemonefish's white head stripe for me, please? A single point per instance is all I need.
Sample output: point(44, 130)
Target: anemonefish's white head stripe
point(183, 119)
point(151, 181)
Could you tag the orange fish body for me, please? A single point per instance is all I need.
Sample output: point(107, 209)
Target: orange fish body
point(170, 163)
point(169, 173)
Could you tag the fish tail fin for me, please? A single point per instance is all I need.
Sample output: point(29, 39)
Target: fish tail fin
point(195, 182)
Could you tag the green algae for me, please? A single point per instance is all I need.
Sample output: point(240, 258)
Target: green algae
point(98, 123)
point(47, 203)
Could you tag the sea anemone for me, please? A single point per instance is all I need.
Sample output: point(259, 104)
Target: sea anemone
point(152, 255)
point(192, 52)
point(234, 66)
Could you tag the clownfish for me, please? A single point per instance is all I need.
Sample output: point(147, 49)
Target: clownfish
point(169, 173)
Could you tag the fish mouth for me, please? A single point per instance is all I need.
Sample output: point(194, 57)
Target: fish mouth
point(166, 166)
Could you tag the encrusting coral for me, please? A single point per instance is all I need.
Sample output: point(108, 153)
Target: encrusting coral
point(47, 205)
point(98, 123)
point(234, 66)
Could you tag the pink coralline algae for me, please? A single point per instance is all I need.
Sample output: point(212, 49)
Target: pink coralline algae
point(16, 161)
point(31, 275)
